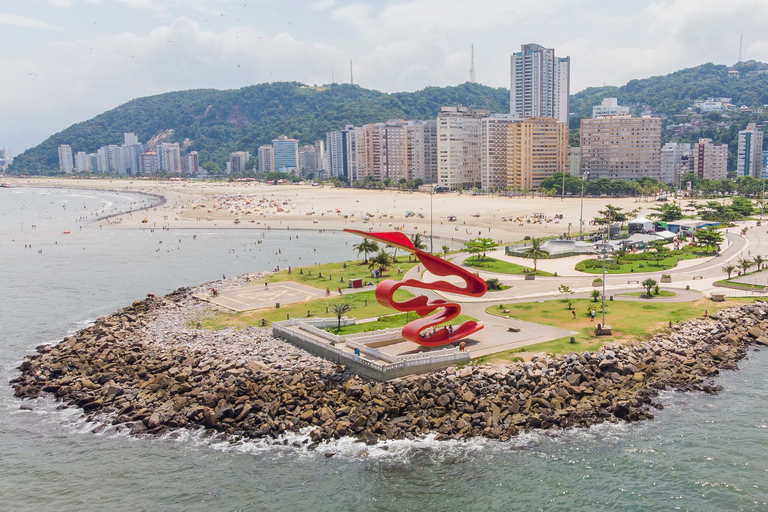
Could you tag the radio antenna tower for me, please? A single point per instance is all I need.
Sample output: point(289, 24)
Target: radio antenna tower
point(472, 78)
point(333, 77)
point(741, 41)
point(351, 77)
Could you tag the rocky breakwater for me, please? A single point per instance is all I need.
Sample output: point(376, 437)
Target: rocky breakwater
point(148, 369)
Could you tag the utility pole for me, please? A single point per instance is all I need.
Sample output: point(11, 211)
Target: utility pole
point(351, 78)
point(472, 78)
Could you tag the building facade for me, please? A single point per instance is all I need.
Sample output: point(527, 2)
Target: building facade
point(494, 158)
point(621, 147)
point(266, 159)
point(750, 152)
point(170, 157)
point(422, 150)
point(82, 162)
point(676, 161)
point(609, 107)
point(539, 83)
point(286, 154)
point(66, 162)
point(192, 161)
point(537, 148)
point(459, 147)
point(237, 161)
point(710, 160)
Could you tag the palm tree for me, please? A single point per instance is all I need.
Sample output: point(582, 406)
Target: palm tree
point(339, 308)
point(728, 269)
point(417, 241)
point(648, 284)
point(535, 251)
point(382, 260)
point(759, 260)
point(366, 246)
point(445, 251)
point(745, 264)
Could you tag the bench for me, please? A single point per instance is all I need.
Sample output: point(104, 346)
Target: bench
point(605, 330)
point(698, 277)
point(718, 297)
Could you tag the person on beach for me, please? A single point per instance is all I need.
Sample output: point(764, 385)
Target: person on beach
point(266, 285)
point(340, 290)
point(327, 292)
point(592, 314)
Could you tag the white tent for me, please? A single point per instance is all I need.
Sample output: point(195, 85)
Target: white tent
point(640, 224)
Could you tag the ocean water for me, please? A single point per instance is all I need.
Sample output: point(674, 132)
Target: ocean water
point(700, 453)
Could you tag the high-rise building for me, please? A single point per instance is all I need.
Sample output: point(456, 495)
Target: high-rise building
point(266, 159)
point(422, 150)
point(537, 148)
point(131, 139)
point(66, 163)
point(710, 161)
point(609, 107)
point(319, 155)
point(237, 161)
point(286, 153)
point(149, 163)
point(170, 157)
point(494, 142)
point(764, 173)
point(5, 153)
point(676, 161)
point(341, 149)
point(94, 161)
point(750, 151)
point(307, 159)
point(102, 160)
point(621, 147)
point(574, 161)
point(539, 83)
point(193, 163)
point(384, 150)
point(82, 162)
point(459, 147)
point(5, 158)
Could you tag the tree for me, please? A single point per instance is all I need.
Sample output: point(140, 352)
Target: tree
point(472, 247)
point(595, 295)
point(668, 212)
point(728, 269)
point(566, 290)
point(611, 214)
point(648, 284)
point(382, 260)
point(445, 251)
point(418, 242)
point(759, 260)
point(536, 251)
point(487, 244)
point(709, 237)
point(339, 308)
point(745, 264)
point(366, 246)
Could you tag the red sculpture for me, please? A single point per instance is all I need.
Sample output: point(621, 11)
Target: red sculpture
point(416, 331)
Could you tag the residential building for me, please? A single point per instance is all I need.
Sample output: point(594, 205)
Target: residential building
point(66, 163)
point(319, 155)
point(459, 147)
point(266, 159)
point(494, 158)
point(170, 157)
point(307, 159)
point(609, 107)
point(422, 150)
point(5, 158)
point(621, 147)
point(130, 139)
point(342, 153)
point(750, 152)
point(384, 150)
point(102, 160)
point(149, 163)
point(710, 160)
point(5, 153)
point(82, 162)
point(539, 83)
point(238, 161)
point(94, 161)
point(714, 105)
point(286, 153)
point(115, 159)
point(676, 161)
point(192, 163)
point(537, 148)
point(764, 173)
point(574, 161)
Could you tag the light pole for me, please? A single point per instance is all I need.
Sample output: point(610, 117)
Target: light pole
point(605, 255)
point(581, 215)
point(431, 227)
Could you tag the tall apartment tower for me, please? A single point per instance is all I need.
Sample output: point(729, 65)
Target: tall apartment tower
point(539, 83)
point(750, 152)
point(621, 147)
point(192, 163)
point(170, 157)
point(266, 159)
point(238, 160)
point(422, 150)
point(82, 162)
point(286, 153)
point(710, 160)
point(342, 154)
point(494, 142)
point(66, 162)
point(537, 148)
point(459, 147)
point(676, 161)
point(319, 155)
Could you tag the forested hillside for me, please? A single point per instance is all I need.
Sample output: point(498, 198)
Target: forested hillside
point(219, 122)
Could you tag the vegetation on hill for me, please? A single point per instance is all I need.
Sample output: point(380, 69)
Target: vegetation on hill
point(218, 122)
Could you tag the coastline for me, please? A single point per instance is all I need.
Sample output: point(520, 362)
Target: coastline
point(147, 369)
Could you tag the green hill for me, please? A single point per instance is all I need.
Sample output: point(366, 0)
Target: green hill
point(219, 122)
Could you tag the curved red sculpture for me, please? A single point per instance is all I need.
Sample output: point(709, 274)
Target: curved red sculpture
point(417, 331)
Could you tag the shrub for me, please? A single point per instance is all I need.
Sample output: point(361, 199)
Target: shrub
point(526, 237)
point(597, 280)
point(666, 276)
point(493, 283)
point(595, 295)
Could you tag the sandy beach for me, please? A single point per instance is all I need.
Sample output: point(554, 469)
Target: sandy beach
point(249, 205)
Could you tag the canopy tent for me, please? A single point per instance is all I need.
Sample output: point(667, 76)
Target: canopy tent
point(640, 225)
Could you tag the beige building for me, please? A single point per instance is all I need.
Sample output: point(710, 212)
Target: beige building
point(537, 148)
point(266, 159)
point(459, 147)
point(710, 161)
point(494, 158)
point(621, 147)
point(422, 150)
point(237, 161)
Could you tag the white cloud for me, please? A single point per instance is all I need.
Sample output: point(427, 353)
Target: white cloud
point(321, 5)
point(25, 22)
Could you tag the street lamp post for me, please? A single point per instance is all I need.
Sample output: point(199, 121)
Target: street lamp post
point(605, 255)
point(431, 225)
point(581, 215)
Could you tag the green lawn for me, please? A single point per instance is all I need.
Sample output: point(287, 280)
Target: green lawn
point(330, 275)
point(500, 266)
point(391, 321)
point(745, 286)
point(364, 305)
point(595, 266)
point(628, 319)
point(662, 293)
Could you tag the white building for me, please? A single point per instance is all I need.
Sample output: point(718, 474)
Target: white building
point(750, 151)
point(714, 104)
point(170, 157)
point(539, 83)
point(66, 163)
point(494, 140)
point(319, 155)
point(609, 107)
point(266, 159)
point(131, 139)
point(193, 163)
point(82, 162)
point(676, 161)
point(459, 147)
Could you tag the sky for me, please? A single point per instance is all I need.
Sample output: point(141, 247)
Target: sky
point(66, 61)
